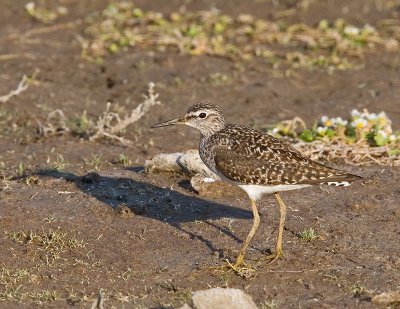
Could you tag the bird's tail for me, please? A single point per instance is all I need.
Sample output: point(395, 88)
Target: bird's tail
point(341, 180)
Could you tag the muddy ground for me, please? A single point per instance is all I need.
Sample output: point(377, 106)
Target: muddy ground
point(147, 241)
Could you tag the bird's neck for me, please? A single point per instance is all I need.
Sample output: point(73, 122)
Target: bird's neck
point(211, 129)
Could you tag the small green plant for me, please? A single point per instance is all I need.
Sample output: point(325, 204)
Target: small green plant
point(44, 15)
point(60, 164)
point(40, 297)
point(358, 289)
point(95, 162)
point(308, 234)
point(126, 274)
point(376, 129)
point(269, 304)
point(21, 169)
point(330, 44)
point(10, 281)
point(363, 138)
point(217, 79)
point(124, 160)
point(80, 125)
point(49, 244)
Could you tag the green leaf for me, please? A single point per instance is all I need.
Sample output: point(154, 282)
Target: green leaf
point(307, 136)
point(350, 131)
point(394, 152)
point(330, 133)
point(380, 140)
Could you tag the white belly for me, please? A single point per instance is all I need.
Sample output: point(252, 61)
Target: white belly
point(256, 191)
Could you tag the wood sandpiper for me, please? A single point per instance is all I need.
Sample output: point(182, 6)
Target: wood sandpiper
point(256, 162)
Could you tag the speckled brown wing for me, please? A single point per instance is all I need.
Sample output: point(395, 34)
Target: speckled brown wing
point(252, 157)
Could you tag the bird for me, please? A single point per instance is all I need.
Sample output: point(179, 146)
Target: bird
point(257, 162)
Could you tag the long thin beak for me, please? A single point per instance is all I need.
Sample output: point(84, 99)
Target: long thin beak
point(169, 123)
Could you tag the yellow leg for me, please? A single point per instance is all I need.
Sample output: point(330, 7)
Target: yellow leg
point(278, 247)
point(256, 222)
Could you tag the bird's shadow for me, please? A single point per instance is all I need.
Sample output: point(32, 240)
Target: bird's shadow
point(147, 200)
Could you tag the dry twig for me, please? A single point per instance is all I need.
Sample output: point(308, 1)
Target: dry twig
point(110, 123)
point(22, 86)
point(60, 127)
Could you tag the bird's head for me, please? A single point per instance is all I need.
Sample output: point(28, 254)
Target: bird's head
point(207, 118)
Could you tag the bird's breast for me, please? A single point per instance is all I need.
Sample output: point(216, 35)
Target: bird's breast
point(206, 151)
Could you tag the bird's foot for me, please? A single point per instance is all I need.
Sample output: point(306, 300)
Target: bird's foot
point(274, 256)
point(242, 269)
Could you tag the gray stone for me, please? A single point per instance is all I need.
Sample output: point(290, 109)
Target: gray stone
point(185, 306)
point(219, 298)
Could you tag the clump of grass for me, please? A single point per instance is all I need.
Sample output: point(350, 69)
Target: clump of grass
point(21, 169)
point(112, 124)
point(13, 283)
point(10, 281)
point(44, 15)
point(60, 164)
point(335, 45)
point(80, 125)
point(124, 160)
point(308, 234)
point(376, 129)
point(357, 289)
point(95, 162)
point(218, 78)
point(269, 304)
point(363, 138)
point(43, 296)
point(49, 244)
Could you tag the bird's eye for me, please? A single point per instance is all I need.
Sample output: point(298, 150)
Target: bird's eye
point(202, 115)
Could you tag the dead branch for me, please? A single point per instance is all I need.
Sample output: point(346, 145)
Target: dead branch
point(186, 163)
point(22, 86)
point(51, 127)
point(110, 124)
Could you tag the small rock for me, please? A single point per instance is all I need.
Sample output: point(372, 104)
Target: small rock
point(363, 206)
point(380, 197)
point(205, 186)
point(91, 177)
point(219, 298)
point(139, 210)
point(124, 211)
point(387, 298)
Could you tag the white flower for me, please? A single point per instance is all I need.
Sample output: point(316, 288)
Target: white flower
point(30, 6)
point(275, 130)
point(392, 137)
point(369, 29)
point(340, 122)
point(359, 123)
point(327, 122)
point(351, 30)
point(382, 134)
point(372, 116)
point(322, 130)
point(355, 113)
point(382, 115)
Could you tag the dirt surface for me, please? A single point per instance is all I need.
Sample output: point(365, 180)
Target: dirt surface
point(148, 241)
